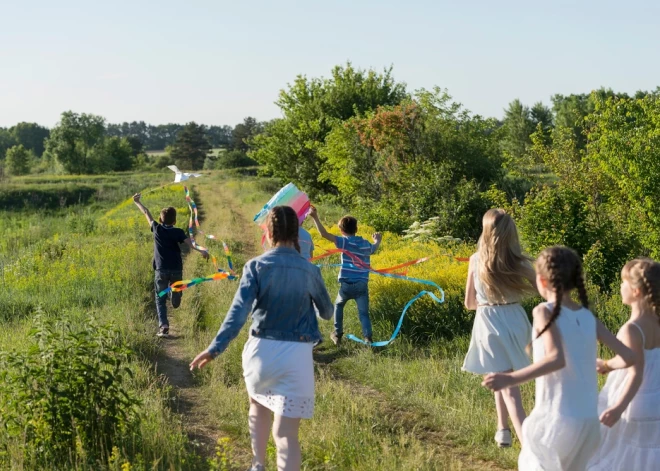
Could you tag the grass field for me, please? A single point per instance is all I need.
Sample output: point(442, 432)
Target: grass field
point(406, 406)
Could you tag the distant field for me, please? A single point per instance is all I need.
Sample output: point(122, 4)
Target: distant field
point(157, 153)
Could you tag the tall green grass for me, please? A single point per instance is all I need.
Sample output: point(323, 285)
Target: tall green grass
point(88, 264)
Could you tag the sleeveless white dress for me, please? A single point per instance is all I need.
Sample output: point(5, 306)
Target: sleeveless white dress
point(634, 442)
point(499, 335)
point(563, 430)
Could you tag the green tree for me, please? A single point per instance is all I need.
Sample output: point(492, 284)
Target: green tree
point(119, 153)
point(518, 126)
point(7, 140)
point(19, 160)
point(31, 136)
point(190, 147)
point(289, 147)
point(423, 158)
point(243, 132)
point(625, 146)
point(78, 142)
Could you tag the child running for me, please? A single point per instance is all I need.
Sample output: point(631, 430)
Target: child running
point(306, 243)
point(167, 259)
point(633, 396)
point(281, 289)
point(499, 275)
point(562, 432)
point(353, 279)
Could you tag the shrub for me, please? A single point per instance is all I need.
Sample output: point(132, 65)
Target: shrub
point(65, 400)
point(233, 159)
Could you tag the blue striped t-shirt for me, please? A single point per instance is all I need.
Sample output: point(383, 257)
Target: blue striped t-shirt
point(360, 247)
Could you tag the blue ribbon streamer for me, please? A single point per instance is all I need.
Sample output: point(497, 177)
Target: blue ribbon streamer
point(437, 299)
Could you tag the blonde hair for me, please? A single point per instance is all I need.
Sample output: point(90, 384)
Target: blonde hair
point(644, 274)
point(503, 269)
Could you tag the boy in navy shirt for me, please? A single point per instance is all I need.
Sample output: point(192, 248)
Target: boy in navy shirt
point(167, 260)
point(353, 279)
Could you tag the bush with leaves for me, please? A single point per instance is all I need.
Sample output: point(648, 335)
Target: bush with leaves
point(65, 401)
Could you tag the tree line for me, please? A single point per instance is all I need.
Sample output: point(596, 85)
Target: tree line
point(85, 143)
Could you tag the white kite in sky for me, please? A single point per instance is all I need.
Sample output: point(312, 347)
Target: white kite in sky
point(181, 176)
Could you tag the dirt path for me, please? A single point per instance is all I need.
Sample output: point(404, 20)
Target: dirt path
point(173, 360)
point(190, 404)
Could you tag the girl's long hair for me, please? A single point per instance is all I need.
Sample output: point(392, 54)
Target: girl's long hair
point(562, 267)
point(503, 269)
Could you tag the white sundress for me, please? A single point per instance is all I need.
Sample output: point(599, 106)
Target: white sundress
point(563, 431)
point(634, 442)
point(499, 335)
point(279, 375)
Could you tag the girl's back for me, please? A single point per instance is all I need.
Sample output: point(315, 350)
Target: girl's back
point(573, 390)
point(562, 432)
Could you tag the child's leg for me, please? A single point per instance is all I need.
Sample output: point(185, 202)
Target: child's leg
point(176, 297)
point(362, 300)
point(259, 421)
point(340, 302)
point(161, 282)
point(285, 433)
point(502, 413)
point(513, 401)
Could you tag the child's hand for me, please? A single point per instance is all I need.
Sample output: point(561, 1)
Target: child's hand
point(205, 254)
point(313, 213)
point(201, 360)
point(377, 236)
point(611, 416)
point(136, 197)
point(601, 367)
point(497, 381)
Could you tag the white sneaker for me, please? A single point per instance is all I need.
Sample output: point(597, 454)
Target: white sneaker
point(503, 438)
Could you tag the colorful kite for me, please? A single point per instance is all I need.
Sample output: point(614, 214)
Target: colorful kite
point(291, 196)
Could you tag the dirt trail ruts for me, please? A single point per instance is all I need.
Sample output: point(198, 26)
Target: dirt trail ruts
point(173, 359)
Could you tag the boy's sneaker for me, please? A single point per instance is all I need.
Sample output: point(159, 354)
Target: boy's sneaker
point(503, 438)
point(336, 339)
point(163, 332)
point(369, 341)
point(176, 299)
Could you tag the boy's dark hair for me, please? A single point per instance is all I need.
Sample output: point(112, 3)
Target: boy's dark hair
point(348, 225)
point(168, 216)
point(282, 223)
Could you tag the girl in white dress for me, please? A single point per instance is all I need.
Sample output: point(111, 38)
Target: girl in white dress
point(498, 277)
point(562, 432)
point(633, 396)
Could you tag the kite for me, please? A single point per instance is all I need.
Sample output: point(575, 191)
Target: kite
point(291, 196)
point(180, 176)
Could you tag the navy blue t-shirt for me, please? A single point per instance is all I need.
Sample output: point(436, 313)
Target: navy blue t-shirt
point(167, 253)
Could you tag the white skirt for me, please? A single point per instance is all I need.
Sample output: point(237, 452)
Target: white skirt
point(279, 375)
point(499, 337)
point(553, 442)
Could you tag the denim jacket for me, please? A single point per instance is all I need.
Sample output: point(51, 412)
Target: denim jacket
point(280, 288)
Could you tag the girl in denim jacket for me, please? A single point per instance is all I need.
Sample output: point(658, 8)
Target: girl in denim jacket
point(281, 289)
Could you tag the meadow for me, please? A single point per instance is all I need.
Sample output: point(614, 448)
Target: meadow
point(78, 297)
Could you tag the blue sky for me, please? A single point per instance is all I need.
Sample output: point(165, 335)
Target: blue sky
point(216, 62)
